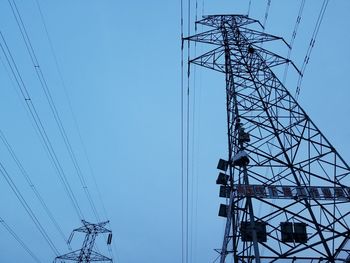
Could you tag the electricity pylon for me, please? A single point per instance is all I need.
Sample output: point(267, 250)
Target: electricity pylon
point(285, 185)
point(86, 253)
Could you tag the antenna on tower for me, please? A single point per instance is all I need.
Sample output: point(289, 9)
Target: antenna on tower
point(86, 253)
point(286, 186)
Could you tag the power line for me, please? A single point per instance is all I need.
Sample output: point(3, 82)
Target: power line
point(182, 129)
point(311, 45)
point(92, 173)
point(188, 128)
point(39, 125)
point(194, 179)
point(291, 42)
point(52, 105)
point(203, 3)
point(31, 185)
point(71, 108)
point(26, 206)
point(266, 13)
point(249, 6)
point(19, 240)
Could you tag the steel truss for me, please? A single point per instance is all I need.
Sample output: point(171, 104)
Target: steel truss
point(86, 253)
point(284, 148)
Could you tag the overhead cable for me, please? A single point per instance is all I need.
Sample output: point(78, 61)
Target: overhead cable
point(192, 153)
point(266, 13)
point(249, 5)
point(19, 240)
point(291, 42)
point(52, 105)
point(188, 127)
point(71, 110)
point(311, 45)
point(38, 124)
point(27, 208)
point(182, 130)
point(32, 185)
point(92, 173)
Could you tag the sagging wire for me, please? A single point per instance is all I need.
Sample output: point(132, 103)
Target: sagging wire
point(194, 179)
point(182, 130)
point(291, 42)
point(311, 46)
point(19, 240)
point(268, 5)
point(249, 6)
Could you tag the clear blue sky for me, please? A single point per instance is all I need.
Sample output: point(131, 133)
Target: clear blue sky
point(120, 62)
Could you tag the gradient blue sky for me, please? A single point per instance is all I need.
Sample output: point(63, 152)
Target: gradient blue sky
point(120, 62)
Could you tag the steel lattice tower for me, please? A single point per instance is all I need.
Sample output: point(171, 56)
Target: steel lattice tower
point(284, 183)
point(86, 253)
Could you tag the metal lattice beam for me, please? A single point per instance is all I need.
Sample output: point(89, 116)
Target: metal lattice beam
point(285, 151)
point(86, 253)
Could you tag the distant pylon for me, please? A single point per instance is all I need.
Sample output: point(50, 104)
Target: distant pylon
point(286, 186)
point(86, 253)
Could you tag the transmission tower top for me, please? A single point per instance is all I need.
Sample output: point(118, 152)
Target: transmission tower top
point(286, 186)
point(86, 253)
